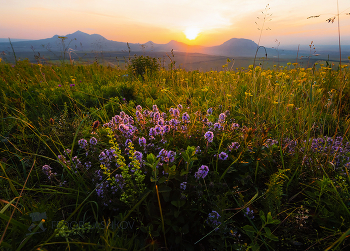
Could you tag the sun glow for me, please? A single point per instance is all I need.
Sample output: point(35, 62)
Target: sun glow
point(191, 32)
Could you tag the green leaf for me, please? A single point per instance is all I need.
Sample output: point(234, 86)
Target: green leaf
point(255, 247)
point(153, 179)
point(272, 237)
point(178, 203)
point(164, 189)
point(267, 231)
point(248, 228)
point(162, 180)
point(184, 172)
point(262, 217)
point(269, 218)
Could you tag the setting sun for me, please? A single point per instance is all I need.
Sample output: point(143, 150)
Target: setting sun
point(191, 32)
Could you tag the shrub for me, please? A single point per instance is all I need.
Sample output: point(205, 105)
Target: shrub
point(143, 65)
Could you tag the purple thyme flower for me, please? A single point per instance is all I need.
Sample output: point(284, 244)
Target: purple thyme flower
point(210, 111)
point(142, 142)
point(138, 156)
point(139, 108)
point(67, 152)
point(82, 143)
point(155, 108)
point(179, 106)
point(202, 172)
point(47, 171)
point(185, 117)
point(234, 126)
point(213, 219)
point(93, 141)
point(249, 213)
point(127, 142)
point(223, 156)
point(209, 136)
point(183, 185)
point(222, 118)
point(218, 126)
point(271, 142)
point(233, 146)
point(198, 149)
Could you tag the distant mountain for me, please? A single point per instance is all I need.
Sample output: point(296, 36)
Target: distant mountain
point(81, 41)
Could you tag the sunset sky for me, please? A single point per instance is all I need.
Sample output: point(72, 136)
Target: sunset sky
point(139, 21)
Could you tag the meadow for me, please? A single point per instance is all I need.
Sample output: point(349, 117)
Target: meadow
point(96, 157)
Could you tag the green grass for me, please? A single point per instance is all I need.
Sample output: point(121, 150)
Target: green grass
point(295, 184)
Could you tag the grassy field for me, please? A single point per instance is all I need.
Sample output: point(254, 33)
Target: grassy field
point(95, 157)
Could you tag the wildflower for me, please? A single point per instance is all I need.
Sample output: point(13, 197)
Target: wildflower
point(67, 152)
point(198, 149)
point(127, 142)
point(223, 156)
point(209, 136)
point(93, 141)
point(152, 132)
point(249, 213)
point(202, 172)
point(271, 142)
point(185, 117)
point(82, 143)
point(222, 118)
point(171, 156)
point(142, 142)
point(183, 185)
point(72, 85)
point(213, 218)
point(139, 116)
point(179, 107)
point(234, 126)
point(155, 108)
point(139, 108)
point(233, 146)
point(210, 111)
point(138, 156)
point(59, 85)
point(217, 126)
point(47, 171)
point(87, 164)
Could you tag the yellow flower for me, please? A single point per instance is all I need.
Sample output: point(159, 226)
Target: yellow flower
point(205, 90)
point(290, 105)
point(228, 95)
point(250, 66)
point(248, 94)
point(275, 102)
point(258, 68)
point(40, 65)
point(289, 63)
point(73, 79)
point(0, 60)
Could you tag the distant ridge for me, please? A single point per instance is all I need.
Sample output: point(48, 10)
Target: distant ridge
point(82, 41)
point(234, 47)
